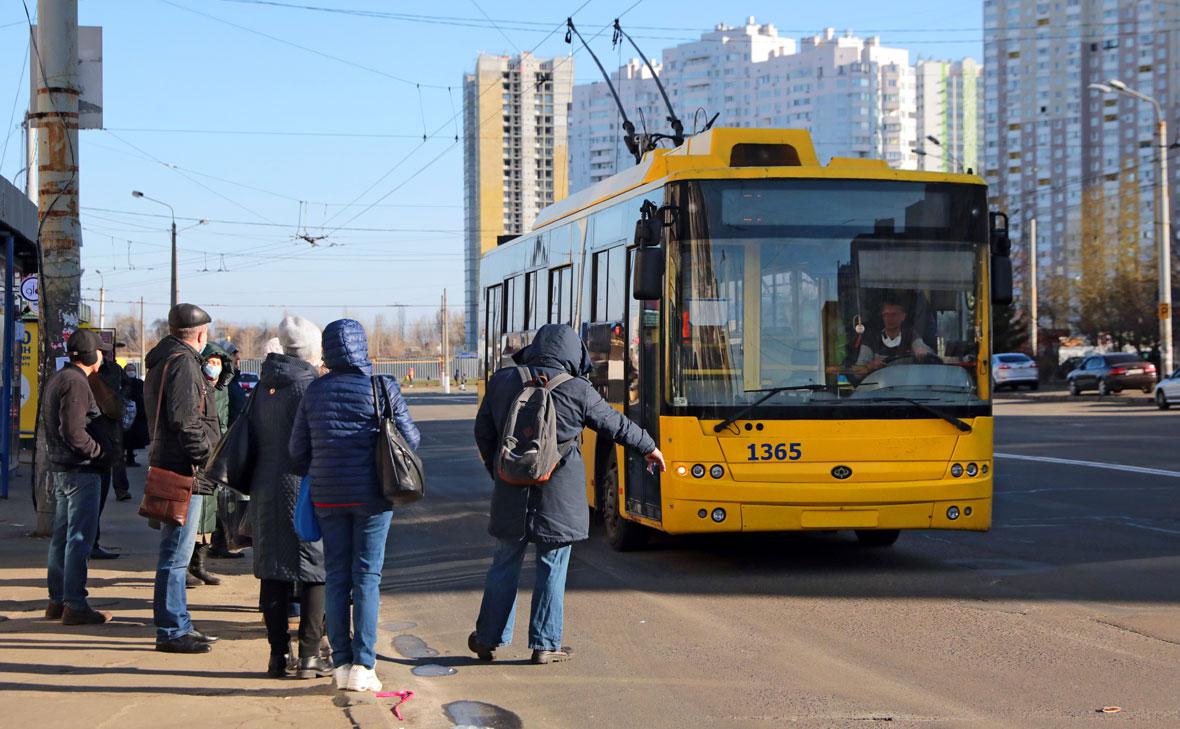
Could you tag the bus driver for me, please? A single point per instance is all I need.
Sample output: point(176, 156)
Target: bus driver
point(894, 339)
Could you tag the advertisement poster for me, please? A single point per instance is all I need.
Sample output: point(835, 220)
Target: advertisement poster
point(28, 379)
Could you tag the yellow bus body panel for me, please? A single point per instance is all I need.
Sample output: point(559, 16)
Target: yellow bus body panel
point(901, 476)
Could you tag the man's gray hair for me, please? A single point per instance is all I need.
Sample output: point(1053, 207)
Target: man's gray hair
point(187, 334)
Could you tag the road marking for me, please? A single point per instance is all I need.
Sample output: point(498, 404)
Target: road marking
point(1090, 464)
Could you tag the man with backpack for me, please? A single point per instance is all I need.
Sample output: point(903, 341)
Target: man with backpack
point(527, 432)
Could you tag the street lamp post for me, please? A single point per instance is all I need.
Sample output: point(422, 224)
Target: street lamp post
point(1162, 217)
point(175, 282)
point(946, 152)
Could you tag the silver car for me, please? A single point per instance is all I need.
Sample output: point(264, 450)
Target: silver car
point(1167, 391)
point(1013, 369)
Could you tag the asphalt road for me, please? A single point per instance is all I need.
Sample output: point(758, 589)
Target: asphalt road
point(1068, 605)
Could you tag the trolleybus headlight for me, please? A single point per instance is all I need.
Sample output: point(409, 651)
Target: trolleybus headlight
point(702, 513)
point(682, 470)
point(972, 469)
point(966, 511)
point(718, 515)
point(983, 469)
point(698, 471)
point(952, 513)
point(716, 471)
point(957, 470)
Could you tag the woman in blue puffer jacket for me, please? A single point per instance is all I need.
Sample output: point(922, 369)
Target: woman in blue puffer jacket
point(334, 440)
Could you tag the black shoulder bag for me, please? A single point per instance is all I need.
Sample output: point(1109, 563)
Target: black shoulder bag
point(233, 458)
point(403, 481)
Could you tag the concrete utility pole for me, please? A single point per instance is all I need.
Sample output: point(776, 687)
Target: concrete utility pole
point(55, 118)
point(1032, 284)
point(142, 344)
point(445, 376)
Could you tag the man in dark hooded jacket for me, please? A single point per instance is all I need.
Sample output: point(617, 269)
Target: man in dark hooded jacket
point(553, 515)
point(182, 416)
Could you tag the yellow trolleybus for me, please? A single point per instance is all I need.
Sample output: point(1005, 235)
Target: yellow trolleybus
point(808, 344)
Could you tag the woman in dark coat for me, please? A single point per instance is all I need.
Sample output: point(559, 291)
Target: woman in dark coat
point(286, 566)
point(551, 516)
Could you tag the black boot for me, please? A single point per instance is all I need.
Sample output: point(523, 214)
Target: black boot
point(196, 566)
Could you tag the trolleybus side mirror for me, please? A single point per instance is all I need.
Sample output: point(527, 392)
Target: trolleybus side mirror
point(648, 281)
point(1001, 268)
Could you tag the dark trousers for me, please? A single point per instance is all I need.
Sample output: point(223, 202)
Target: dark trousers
point(102, 503)
point(276, 597)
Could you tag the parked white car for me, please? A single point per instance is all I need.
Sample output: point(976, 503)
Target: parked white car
point(1167, 391)
point(1013, 369)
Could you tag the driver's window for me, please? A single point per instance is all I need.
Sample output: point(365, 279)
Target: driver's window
point(1175, 374)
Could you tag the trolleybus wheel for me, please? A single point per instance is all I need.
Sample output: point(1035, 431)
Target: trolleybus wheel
point(877, 537)
point(621, 534)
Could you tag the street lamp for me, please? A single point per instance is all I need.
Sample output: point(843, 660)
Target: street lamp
point(175, 283)
point(945, 152)
point(1163, 234)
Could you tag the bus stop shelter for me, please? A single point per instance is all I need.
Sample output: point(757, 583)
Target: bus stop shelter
point(18, 240)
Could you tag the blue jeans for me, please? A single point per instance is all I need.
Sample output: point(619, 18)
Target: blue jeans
point(354, 553)
point(497, 612)
point(75, 520)
point(170, 603)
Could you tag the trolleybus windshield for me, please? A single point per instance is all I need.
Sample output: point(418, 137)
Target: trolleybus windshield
point(871, 290)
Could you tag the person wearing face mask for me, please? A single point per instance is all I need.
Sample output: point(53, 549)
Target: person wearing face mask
point(216, 376)
point(182, 416)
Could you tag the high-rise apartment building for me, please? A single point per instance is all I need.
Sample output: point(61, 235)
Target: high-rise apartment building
point(1080, 162)
point(856, 96)
point(515, 153)
point(949, 102)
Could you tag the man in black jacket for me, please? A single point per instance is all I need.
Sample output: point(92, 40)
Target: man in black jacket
point(182, 418)
point(75, 458)
point(553, 515)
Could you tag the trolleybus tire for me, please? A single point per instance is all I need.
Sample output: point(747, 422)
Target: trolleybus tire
point(877, 537)
point(622, 535)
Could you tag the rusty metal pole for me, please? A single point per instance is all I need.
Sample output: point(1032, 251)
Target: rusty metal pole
point(55, 115)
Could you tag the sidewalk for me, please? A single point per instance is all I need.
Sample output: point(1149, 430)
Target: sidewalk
point(110, 675)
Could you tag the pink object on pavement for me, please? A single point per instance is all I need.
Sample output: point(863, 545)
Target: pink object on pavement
point(403, 695)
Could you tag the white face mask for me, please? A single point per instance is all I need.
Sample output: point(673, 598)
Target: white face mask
point(212, 371)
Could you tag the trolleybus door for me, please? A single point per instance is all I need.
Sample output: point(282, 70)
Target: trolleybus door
point(641, 370)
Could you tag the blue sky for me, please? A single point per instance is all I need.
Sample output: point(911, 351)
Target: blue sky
point(339, 120)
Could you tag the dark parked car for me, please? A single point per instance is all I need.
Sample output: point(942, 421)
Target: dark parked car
point(1109, 373)
point(1066, 367)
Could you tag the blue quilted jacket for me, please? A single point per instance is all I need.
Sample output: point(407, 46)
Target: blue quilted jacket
point(334, 437)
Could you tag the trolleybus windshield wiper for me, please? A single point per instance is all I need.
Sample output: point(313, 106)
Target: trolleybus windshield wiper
point(771, 392)
point(960, 424)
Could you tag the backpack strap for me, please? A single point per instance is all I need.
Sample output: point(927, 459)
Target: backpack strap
point(556, 380)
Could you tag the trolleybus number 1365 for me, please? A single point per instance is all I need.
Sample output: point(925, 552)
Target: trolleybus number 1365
point(775, 452)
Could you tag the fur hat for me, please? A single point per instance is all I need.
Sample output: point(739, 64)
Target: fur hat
point(300, 338)
point(272, 346)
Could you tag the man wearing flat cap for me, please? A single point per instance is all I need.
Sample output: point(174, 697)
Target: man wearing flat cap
point(182, 418)
point(76, 456)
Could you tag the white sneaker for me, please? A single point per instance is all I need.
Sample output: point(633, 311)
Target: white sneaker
point(363, 679)
point(341, 675)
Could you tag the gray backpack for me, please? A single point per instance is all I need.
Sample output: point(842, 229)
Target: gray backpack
point(529, 449)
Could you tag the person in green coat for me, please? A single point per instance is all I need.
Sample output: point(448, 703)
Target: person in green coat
point(217, 376)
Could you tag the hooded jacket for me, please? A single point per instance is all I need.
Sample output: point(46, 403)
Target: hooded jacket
point(555, 512)
point(187, 429)
point(274, 485)
point(334, 437)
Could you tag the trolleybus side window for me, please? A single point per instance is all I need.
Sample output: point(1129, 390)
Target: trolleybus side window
point(494, 306)
point(561, 289)
point(513, 305)
point(532, 307)
point(609, 284)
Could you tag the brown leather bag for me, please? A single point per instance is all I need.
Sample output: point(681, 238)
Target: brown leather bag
point(166, 494)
